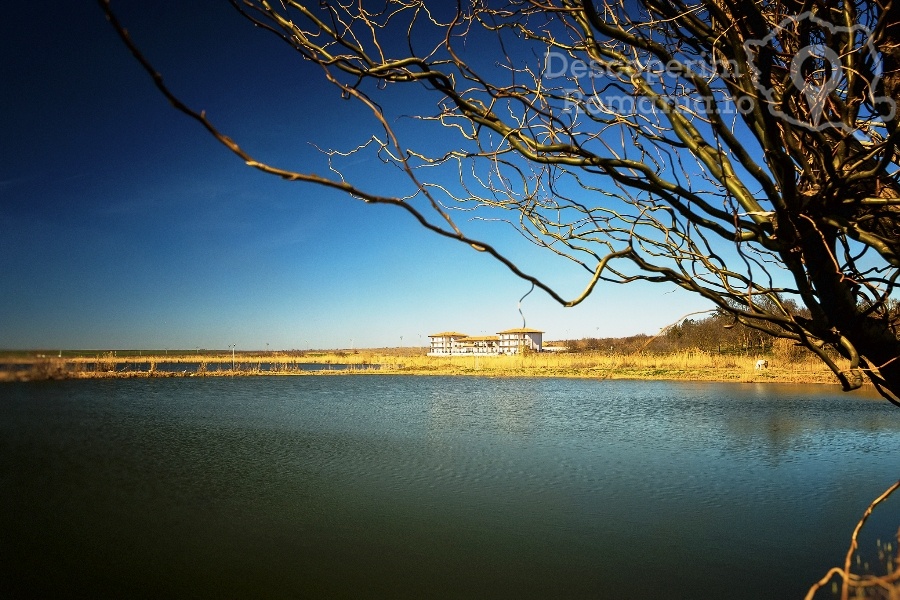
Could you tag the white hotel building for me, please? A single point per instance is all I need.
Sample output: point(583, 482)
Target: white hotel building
point(511, 341)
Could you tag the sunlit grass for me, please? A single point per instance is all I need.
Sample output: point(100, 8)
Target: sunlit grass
point(696, 365)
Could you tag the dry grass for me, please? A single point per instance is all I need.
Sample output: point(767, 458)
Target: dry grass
point(701, 366)
point(685, 365)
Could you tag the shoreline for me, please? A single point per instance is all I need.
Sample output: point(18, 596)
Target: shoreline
point(772, 375)
point(694, 365)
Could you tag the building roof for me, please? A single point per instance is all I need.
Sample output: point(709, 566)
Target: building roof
point(520, 330)
point(480, 338)
point(448, 334)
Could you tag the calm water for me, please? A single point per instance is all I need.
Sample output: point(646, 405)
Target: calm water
point(361, 486)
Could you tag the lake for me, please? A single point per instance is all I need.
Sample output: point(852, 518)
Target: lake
point(410, 487)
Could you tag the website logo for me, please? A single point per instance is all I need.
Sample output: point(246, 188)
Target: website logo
point(816, 71)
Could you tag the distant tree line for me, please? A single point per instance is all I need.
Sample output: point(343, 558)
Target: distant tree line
point(717, 333)
point(707, 335)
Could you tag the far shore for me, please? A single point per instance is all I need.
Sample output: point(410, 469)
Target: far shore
point(677, 366)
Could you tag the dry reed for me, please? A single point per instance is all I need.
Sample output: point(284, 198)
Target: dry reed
point(694, 365)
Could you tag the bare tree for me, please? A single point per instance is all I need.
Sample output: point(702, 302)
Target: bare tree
point(744, 151)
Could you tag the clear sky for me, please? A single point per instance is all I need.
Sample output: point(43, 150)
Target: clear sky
point(123, 224)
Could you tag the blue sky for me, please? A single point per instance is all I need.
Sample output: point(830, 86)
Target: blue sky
point(123, 224)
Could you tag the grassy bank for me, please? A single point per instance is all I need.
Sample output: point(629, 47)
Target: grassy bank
point(684, 366)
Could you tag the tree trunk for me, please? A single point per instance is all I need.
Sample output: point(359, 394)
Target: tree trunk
point(871, 337)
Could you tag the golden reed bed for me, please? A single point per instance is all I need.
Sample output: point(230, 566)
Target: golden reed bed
point(684, 365)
